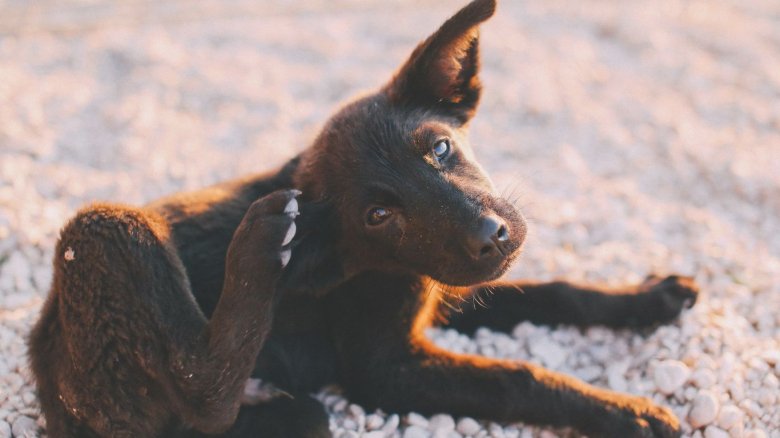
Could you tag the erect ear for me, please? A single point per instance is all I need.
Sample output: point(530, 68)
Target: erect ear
point(442, 72)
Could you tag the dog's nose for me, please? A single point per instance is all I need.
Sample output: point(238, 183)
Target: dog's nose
point(488, 240)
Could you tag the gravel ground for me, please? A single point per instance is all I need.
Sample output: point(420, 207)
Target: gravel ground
point(639, 137)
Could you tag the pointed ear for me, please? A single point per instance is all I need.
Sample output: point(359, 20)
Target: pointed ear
point(442, 72)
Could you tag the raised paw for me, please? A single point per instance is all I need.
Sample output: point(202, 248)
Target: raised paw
point(264, 237)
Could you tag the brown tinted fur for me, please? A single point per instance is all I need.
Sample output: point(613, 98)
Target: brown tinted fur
point(158, 315)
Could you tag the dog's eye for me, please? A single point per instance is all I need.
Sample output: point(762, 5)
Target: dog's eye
point(441, 149)
point(377, 215)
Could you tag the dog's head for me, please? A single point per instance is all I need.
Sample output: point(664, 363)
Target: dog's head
point(396, 167)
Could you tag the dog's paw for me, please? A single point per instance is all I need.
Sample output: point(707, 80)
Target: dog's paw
point(666, 297)
point(267, 231)
point(639, 417)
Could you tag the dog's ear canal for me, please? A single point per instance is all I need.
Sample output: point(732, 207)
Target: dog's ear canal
point(442, 72)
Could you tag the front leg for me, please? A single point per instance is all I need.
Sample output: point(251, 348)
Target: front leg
point(656, 300)
point(430, 380)
point(386, 361)
point(209, 371)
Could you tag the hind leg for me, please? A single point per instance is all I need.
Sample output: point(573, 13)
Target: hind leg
point(657, 300)
point(122, 348)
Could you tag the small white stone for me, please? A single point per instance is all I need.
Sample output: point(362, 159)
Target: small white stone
point(416, 419)
point(750, 407)
point(715, 432)
point(24, 426)
point(374, 422)
point(670, 375)
point(755, 433)
point(441, 423)
point(468, 426)
point(704, 378)
point(616, 376)
point(767, 397)
point(374, 434)
point(771, 357)
point(415, 432)
point(391, 424)
point(356, 411)
point(5, 429)
point(69, 255)
point(729, 416)
point(736, 389)
point(28, 398)
point(737, 431)
point(771, 381)
point(589, 373)
point(551, 354)
point(349, 424)
point(704, 409)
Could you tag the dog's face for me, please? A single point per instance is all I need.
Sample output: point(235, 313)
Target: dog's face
point(398, 168)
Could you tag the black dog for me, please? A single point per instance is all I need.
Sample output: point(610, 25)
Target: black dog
point(158, 315)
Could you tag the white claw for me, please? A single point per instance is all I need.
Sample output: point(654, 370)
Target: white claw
point(286, 254)
point(290, 234)
point(291, 207)
point(256, 391)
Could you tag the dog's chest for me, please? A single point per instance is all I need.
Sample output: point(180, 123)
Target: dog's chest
point(299, 355)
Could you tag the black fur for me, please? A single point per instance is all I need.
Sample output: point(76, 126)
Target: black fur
point(158, 315)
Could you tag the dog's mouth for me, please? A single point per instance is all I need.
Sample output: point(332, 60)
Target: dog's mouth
point(472, 272)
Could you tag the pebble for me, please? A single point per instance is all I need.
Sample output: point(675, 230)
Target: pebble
point(468, 426)
point(750, 407)
point(391, 424)
point(416, 419)
point(715, 432)
point(374, 434)
point(670, 375)
point(704, 378)
point(24, 426)
point(356, 411)
point(767, 397)
point(755, 433)
point(704, 409)
point(551, 354)
point(415, 432)
point(441, 423)
point(374, 421)
point(729, 416)
point(589, 373)
point(5, 429)
point(350, 424)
